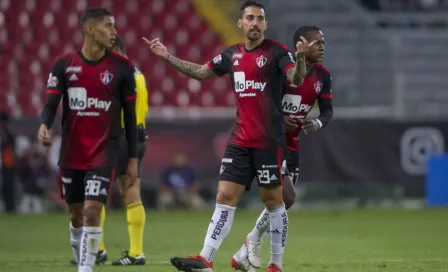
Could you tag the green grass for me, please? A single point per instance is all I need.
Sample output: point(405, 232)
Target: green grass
point(330, 241)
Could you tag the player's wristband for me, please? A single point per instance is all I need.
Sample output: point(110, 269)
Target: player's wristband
point(320, 123)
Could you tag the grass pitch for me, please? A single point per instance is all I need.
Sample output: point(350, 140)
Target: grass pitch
point(318, 241)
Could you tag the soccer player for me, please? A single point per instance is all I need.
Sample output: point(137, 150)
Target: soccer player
point(130, 192)
point(257, 69)
point(297, 103)
point(95, 85)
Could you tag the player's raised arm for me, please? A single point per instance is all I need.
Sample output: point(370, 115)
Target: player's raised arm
point(54, 91)
point(297, 74)
point(128, 104)
point(193, 70)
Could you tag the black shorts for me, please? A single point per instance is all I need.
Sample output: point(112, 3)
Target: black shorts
point(123, 156)
point(242, 164)
point(293, 165)
point(80, 185)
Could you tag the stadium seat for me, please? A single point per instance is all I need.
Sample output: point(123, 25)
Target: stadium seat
point(35, 32)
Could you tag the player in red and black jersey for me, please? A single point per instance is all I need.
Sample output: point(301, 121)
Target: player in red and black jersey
point(257, 69)
point(297, 103)
point(299, 100)
point(95, 85)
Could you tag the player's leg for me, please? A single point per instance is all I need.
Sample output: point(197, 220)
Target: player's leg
point(135, 215)
point(135, 211)
point(102, 246)
point(271, 167)
point(236, 172)
point(76, 225)
point(261, 228)
point(289, 187)
point(260, 231)
point(97, 183)
point(72, 190)
point(101, 257)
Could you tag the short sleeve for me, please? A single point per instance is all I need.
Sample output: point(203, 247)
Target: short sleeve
point(286, 60)
point(55, 82)
point(128, 84)
point(221, 64)
point(326, 91)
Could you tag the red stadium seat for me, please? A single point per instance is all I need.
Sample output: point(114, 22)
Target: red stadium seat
point(38, 31)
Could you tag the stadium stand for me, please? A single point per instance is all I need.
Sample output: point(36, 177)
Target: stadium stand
point(33, 32)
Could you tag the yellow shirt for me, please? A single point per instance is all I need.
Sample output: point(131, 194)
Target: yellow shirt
point(141, 104)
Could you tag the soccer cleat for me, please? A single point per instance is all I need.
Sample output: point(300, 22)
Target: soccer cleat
point(273, 268)
point(192, 264)
point(101, 258)
point(128, 260)
point(253, 252)
point(241, 265)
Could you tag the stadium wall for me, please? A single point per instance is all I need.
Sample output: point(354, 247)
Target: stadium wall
point(347, 157)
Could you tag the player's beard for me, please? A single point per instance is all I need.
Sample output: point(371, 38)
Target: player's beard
point(254, 35)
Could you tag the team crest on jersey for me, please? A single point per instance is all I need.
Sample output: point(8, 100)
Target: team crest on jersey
point(217, 59)
point(106, 77)
point(318, 86)
point(261, 61)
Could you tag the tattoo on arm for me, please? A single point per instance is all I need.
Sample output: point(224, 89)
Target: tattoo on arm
point(193, 70)
point(297, 74)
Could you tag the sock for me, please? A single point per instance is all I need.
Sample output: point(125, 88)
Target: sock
point(279, 232)
point(219, 227)
point(265, 234)
point(102, 247)
point(75, 240)
point(90, 242)
point(135, 214)
point(261, 227)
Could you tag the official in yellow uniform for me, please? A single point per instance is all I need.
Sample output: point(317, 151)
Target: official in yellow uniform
point(130, 193)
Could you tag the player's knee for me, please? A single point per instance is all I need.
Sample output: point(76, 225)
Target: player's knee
point(229, 193)
point(132, 195)
point(76, 215)
point(92, 213)
point(225, 198)
point(272, 197)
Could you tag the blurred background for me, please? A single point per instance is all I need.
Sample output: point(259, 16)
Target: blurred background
point(385, 146)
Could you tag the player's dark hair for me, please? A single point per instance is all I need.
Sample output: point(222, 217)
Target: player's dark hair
point(302, 31)
point(120, 45)
point(250, 4)
point(95, 14)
